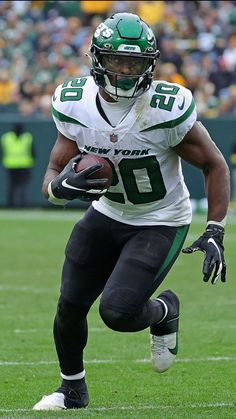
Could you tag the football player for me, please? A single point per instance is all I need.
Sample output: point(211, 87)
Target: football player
point(131, 234)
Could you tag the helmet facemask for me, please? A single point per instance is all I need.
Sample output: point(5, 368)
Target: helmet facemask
point(126, 84)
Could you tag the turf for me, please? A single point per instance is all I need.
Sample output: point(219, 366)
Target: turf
point(201, 384)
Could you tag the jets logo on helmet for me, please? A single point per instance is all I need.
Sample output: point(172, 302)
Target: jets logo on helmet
point(103, 30)
point(123, 41)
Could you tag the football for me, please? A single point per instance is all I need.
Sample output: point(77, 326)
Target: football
point(88, 160)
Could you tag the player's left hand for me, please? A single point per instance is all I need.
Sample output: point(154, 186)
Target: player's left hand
point(211, 243)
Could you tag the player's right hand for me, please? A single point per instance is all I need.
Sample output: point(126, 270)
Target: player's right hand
point(70, 184)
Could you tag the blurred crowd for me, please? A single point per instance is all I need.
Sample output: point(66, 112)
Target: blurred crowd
point(44, 43)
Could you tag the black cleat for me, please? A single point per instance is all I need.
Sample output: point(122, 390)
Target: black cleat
point(65, 398)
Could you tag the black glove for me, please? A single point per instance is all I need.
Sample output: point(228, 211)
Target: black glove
point(71, 185)
point(211, 243)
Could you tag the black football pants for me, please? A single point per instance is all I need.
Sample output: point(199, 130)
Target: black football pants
point(123, 263)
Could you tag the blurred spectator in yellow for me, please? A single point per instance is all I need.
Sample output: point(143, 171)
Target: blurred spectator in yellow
point(93, 8)
point(8, 88)
point(168, 72)
point(18, 156)
point(151, 12)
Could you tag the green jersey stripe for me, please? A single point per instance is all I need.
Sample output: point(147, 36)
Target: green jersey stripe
point(174, 122)
point(64, 118)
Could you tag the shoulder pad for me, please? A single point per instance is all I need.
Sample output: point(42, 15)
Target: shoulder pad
point(181, 115)
point(68, 100)
point(170, 105)
point(172, 97)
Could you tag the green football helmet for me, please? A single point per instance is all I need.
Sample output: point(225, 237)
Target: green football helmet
point(124, 53)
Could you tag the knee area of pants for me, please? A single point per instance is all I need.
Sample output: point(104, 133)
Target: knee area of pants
point(67, 310)
point(114, 319)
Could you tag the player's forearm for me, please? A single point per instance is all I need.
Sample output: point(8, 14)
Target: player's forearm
point(217, 183)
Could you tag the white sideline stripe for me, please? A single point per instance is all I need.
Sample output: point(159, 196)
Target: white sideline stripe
point(92, 329)
point(25, 288)
point(33, 290)
point(37, 215)
point(105, 329)
point(115, 361)
point(148, 407)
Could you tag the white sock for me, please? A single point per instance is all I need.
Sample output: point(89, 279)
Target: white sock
point(74, 376)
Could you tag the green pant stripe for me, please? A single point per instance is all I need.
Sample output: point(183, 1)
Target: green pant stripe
point(175, 248)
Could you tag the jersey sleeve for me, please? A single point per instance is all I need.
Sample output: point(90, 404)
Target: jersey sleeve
point(185, 115)
point(61, 114)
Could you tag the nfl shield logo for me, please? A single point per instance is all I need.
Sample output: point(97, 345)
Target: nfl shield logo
point(113, 138)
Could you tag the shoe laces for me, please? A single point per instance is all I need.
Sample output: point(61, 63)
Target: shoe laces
point(158, 344)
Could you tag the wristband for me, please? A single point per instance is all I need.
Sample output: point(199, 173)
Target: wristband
point(53, 199)
point(218, 223)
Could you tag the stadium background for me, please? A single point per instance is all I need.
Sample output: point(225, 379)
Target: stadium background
point(43, 43)
point(39, 47)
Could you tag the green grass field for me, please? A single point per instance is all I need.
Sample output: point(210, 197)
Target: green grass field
point(202, 382)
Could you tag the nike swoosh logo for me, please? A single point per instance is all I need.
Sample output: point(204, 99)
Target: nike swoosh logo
point(181, 107)
point(92, 191)
point(211, 240)
point(174, 350)
point(68, 186)
point(54, 97)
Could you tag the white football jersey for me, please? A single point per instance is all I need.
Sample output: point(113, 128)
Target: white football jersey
point(148, 186)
